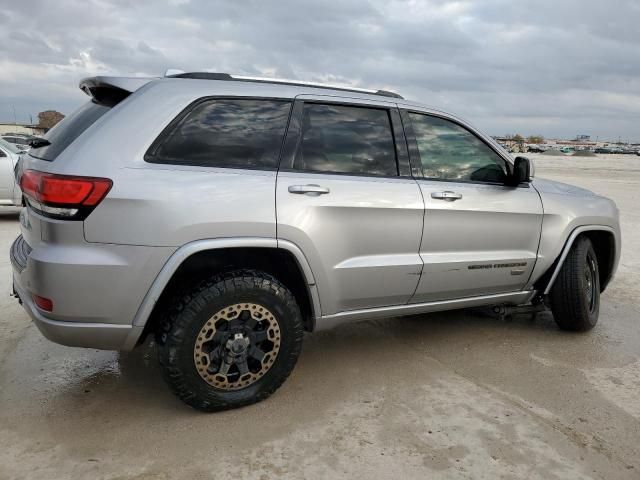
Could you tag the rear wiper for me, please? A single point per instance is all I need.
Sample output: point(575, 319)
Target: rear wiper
point(39, 142)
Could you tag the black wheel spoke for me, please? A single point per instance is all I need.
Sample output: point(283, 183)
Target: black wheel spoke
point(224, 368)
point(219, 337)
point(243, 368)
point(256, 353)
point(259, 337)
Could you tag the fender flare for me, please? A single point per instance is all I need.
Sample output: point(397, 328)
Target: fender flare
point(567, 247)
point(185, 251)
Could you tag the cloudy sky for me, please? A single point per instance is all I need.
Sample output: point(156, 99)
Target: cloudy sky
point(555, 67)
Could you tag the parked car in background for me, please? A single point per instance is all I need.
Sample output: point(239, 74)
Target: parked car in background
point(536, 148)
point(20, 141)
point(241, 212)
point(10, 193)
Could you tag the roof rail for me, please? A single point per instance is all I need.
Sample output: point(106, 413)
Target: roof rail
point(281, 81)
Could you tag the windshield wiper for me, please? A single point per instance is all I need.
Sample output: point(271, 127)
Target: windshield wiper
point(39, 142)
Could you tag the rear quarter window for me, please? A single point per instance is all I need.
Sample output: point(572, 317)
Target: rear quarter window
point(70, 128)
point(232, 133)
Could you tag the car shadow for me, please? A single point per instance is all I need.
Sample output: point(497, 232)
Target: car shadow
point(351, 368)
point(137, 376)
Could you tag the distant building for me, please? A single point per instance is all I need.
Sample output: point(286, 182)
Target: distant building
point(20, 128)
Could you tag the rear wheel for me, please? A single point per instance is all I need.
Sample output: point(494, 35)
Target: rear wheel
point(575, 295)
point(231, 341)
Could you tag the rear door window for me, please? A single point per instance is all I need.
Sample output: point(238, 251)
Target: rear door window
point(67, 130)
point(345, 139)
point(230, 133)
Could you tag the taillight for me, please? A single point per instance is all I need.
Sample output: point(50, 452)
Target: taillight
point(63, 196)
point(43, 303)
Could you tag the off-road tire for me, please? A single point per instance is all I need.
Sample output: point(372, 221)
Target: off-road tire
point(572, 307)
point(176, 338)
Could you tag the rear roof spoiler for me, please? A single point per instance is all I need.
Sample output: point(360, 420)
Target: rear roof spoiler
point(110, 91)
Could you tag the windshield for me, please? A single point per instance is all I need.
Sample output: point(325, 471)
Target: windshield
point(70, 128)
point(10, 146)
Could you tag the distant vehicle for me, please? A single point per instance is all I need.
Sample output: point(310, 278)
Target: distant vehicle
point(603, 150)
point(20, 141)
point(567, 149)
point(536, 149)
point(10, 194)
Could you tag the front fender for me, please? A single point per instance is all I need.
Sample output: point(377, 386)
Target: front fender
point(566, 217)
point(569, 243)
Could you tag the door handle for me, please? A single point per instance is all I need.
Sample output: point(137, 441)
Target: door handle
point(311, 189)
point(447, 196)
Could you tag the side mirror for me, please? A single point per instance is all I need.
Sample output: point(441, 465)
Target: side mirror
point(523, 171)
point(2, 154)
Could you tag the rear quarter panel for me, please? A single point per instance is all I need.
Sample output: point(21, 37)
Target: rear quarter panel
point(172, 206)
point(167, 205)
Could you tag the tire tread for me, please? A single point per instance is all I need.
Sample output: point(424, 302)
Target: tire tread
point(174, 327)
point(567, 295)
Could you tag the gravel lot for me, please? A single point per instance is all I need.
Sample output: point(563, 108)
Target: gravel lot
point(451, 395)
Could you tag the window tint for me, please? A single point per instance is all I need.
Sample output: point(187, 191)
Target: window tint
point(240, 133)
point(67, 130)
point(343, 139)
point(451, 152)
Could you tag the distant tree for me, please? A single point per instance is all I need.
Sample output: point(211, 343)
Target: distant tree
point(518, 138)
point(49, 118)
point(535, 139)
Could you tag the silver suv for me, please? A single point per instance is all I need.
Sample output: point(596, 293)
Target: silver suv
point(228, 215)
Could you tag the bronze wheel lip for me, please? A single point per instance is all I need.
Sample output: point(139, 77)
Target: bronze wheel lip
point(258, 313)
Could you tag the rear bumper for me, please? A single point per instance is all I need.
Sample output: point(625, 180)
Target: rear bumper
point(96, 289)
point(104, 336)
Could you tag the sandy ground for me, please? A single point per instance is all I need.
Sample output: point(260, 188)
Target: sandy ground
point(451, 395)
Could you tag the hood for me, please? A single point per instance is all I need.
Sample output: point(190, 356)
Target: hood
point(559, 188)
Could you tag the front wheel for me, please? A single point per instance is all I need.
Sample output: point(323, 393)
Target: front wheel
point(231, 341)
point(575, 295)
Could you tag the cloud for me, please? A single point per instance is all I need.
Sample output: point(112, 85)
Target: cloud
point(556, 68)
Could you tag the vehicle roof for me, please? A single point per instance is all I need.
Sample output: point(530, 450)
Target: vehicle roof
point(198, 86)
point(256, 85)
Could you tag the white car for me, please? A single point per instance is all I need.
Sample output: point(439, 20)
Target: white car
point(20, 141)
point(10, 194)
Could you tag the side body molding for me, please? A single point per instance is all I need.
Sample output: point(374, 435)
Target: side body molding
point(189, 249)
point(569, 243)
